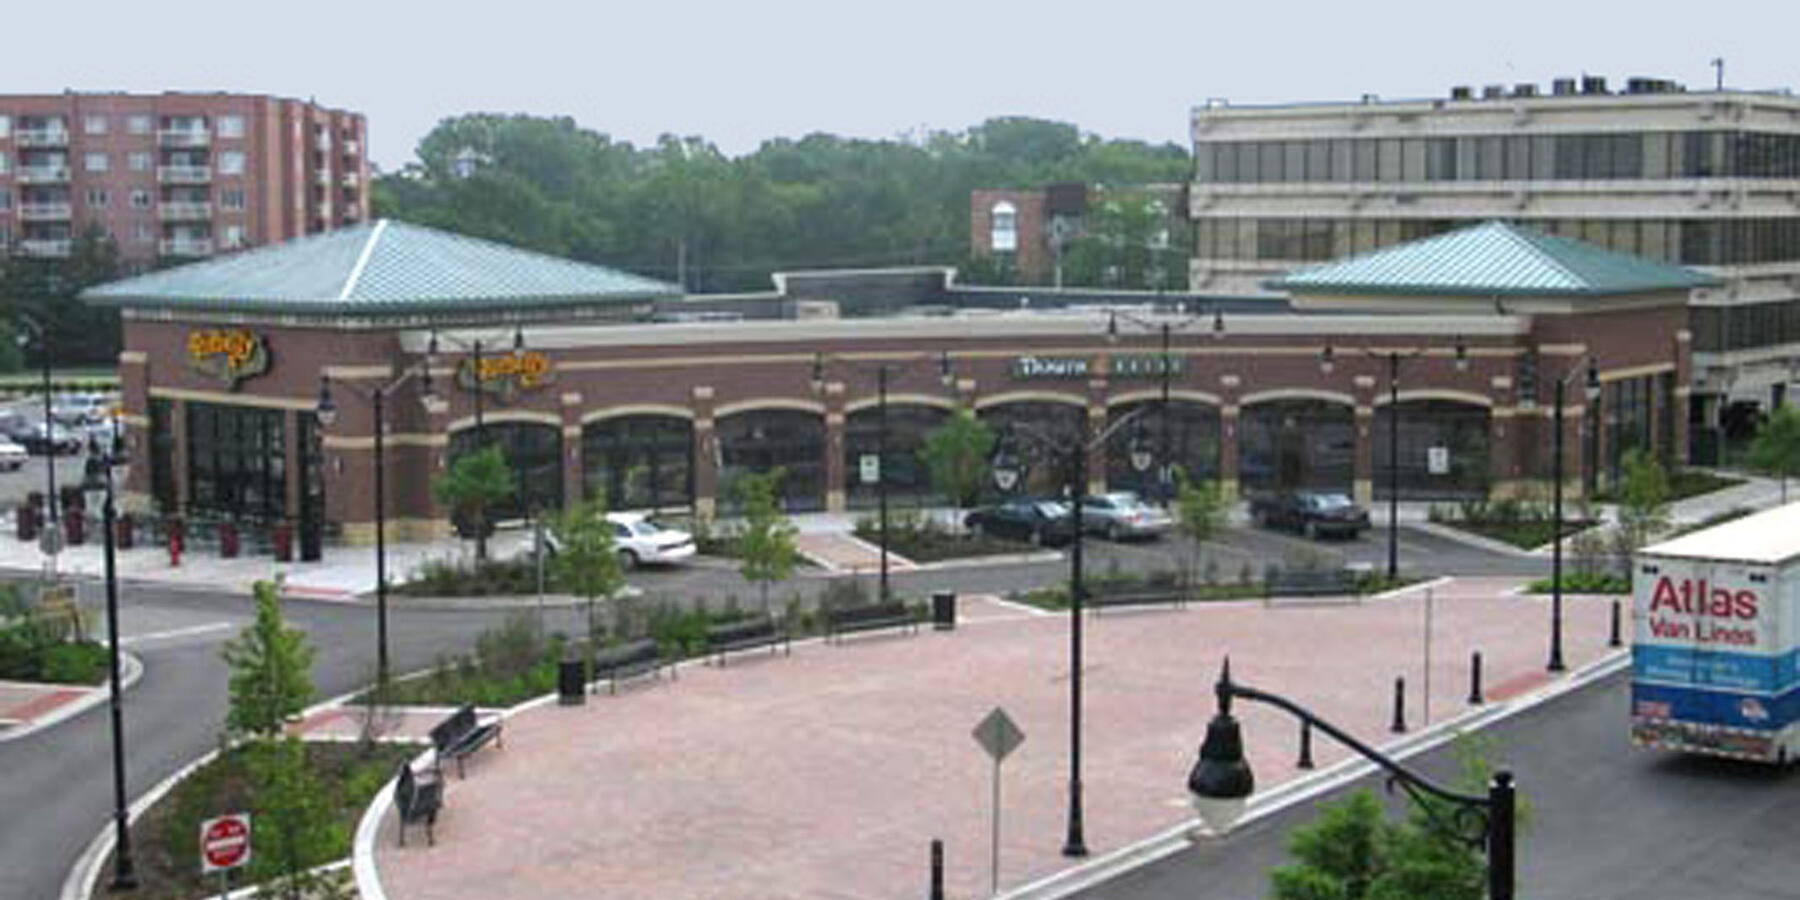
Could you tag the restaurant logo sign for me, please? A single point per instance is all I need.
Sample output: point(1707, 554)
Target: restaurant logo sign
point(506, 374)
point(1123, 366)
point(228, 354)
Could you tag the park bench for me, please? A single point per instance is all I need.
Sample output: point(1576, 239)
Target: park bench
point(1309, 583)
point(629, 660)
point(461, 735)
point(839, 622)
point(418, 800)
point(745, 634)
point(1144, 595)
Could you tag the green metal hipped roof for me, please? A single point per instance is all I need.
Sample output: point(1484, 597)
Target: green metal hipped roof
point(1493, 259)
point(380, 268)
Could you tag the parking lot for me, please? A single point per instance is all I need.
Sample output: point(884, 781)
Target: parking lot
point(32, 476)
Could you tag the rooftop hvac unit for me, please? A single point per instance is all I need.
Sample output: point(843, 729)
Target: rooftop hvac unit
point(1493, 92)
point(1525, 90)
point(1562, 87)
point(1461, 92)
point(1593, 84)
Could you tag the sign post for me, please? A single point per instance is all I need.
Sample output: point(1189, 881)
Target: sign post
point(999, 736)
point(224, 845)
point(869, 465)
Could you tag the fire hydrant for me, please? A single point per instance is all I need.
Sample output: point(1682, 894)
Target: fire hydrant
point(175, 538)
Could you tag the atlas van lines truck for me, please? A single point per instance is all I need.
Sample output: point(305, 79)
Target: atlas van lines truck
point(1717, 626)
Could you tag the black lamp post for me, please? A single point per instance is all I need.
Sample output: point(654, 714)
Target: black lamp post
point(1166, 370)
point(1008, 470)
point(53, 534)
point(1327, 360)
point(124, 873)
point(476, 384)
point(1221, 782)
point(1556, 502)
point(327, 414)
point(881, 441)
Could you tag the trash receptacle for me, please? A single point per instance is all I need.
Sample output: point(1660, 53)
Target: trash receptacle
point(943, 610)
point(571, 681)
point(282, 537)
point(125, 531)
point(228, 540)
point(26, 519)
point(74, 528)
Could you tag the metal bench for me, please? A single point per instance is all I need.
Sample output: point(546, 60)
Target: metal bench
point(629, 660)
point(418, 800)
point(1172, 596)
point(745, 634)
point(461, 735)
point(839, 622)
point(1309, 583)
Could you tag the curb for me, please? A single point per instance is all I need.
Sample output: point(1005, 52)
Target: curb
point(1001, 559)
point(1473, 540)
point(131, 669)
point(1180, 837)
point(85, 874)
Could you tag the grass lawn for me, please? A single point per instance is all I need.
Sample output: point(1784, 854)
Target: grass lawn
point(1526, 535)
point(933, 544)
point(1579, 583)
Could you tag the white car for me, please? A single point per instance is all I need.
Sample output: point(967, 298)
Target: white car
point(639, 539)
point(12, 456)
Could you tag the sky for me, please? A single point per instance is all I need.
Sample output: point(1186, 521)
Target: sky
point(738, 73)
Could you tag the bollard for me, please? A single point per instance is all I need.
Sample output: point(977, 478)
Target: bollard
point(1475, 698)
point(1614, 640)
point(174, 545)
point(1399, 726)
point(1306, 760)
point(937, 869)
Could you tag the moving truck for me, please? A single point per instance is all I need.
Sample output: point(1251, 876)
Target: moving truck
point(1716, 624)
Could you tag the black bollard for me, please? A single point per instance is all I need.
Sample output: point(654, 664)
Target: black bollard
point(1614, 640)
point(1475, 698)
point(1306, 760)
point(1399, 726)
point(937, 869)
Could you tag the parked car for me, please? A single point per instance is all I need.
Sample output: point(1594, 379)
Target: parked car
point(1034, 521)
point(1122, 514)
point(12, 456)
point(639, 540)
point(51, 438)
point(81, 409)
point(1313, 513)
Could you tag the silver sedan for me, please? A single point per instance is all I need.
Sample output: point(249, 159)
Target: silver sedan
point(1122, 514)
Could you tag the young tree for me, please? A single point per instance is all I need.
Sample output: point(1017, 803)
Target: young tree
point(475, 482)
point(271, 667)
point(1643, 499)
point(586, 562)
point(296, 827)
point(1776, 448)
point(767, 542)
point(1199, 514)
point(956, 454)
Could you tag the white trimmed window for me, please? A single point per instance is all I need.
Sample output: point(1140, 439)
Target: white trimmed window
point(93, 124)
point(234, 236)
point(5, 200)
point(137, 124)
point(5, 162)
point(140, 199)
point(143, 233)
point(5, 125)
point(95, 162)
point(231, 198)
point(138, 161)
point(231, 162)
point(1003, 230)
point(97, 198)
point(231, 126)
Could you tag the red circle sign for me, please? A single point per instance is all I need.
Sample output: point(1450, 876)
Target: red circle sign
point(225, 842)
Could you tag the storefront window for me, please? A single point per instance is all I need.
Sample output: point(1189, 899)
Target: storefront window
point(1192, 444)
point(1625, 412)
point(908, 479)
point(534, 451)
point(237, 461)
point(162, 456)
point(1294, 444)
point(764, 440)
point(1443, 450)
point(1032, 425)
point(639, 462)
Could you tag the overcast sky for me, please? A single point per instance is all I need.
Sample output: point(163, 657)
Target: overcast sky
point(739, 72)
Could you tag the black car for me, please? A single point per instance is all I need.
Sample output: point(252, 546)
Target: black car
point(1313, 513)
point(1034, 521)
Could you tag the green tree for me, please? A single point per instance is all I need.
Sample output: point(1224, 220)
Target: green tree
point(1643, 499)
point(1776, 447)
point(294, 822)
point(767, 543)
point(271, 667)
point(1199, 514)
point(474, 483)
point(586, 562)
point(956, 454)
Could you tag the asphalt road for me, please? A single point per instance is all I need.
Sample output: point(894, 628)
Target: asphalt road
point(1608, 821)
point(56, 784)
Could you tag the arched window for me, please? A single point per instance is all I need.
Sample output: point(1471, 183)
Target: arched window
point(762, 440)
point(1443, 450)
point(534, 451)
point(639, 461)
point(1003, 231)
point(1192, 443)
point(908, 480)
point(1296, 444)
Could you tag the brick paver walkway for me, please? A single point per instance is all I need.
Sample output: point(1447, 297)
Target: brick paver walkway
point(826, 774)
point(22, 702)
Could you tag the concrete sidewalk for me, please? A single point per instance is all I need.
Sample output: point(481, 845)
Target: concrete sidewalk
point(827, 774)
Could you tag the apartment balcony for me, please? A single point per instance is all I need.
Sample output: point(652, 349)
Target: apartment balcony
point(184, 137)
point(352, 147)
point(322, 176)
point(45, 247)
point(183, 174)
point(45, 212)
point(350, 179)
point(41, 137)
point(184, 211)
point(185, 246)
point(41, 174)
point(323, 142)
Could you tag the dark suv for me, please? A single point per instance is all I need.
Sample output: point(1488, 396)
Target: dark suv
point(1313, 513)
point(1034, 521)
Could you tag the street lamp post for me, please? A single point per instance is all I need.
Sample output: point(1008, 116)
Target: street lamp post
point(53, 534)
point(474, 346)
point(1221, 782)
point(124, 873)
point(327, 414)
point(1075, 841)
point(1166, 370)
point(1556, 493)
point(1394, 357)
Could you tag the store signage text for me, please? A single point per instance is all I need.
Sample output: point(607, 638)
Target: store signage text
point(1135, 366)
point(228, 354)
point(505, 374)
point(1700, 606)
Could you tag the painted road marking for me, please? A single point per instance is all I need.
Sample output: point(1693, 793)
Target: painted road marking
point(190, 631)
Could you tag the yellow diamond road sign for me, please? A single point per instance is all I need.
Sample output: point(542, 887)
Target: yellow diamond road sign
point(998, 735)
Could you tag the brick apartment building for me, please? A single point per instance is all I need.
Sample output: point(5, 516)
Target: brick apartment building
point(1026, 231)
point(175, 176)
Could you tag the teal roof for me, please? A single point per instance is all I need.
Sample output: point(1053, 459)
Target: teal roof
point(1493, 258)
point(378, 268)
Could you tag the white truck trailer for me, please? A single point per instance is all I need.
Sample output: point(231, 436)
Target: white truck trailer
point(1716, 629)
